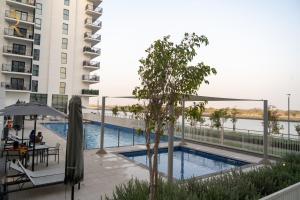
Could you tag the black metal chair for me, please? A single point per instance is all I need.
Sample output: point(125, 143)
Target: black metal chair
point(54, 151)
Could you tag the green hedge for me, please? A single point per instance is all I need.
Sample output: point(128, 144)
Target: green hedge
point(237, 185)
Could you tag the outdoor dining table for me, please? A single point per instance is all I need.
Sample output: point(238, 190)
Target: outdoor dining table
point(41, 149)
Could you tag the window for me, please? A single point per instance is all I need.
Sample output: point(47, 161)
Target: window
point(34, 87)
point(21, 32)
point(65, 28)
point(38, 23)
point(64, 43)
point(64, 58)
point(62, 88)
point(21, 15)
point(38, 8)
point(35, 70)
point(37, 39)
point(66, 14)
point(67, 2)
point(19, 49)
point(40, 98)
point(36, 54)
point(63, 73)
point(17, 84)
point(17, 66)
point(60, 102)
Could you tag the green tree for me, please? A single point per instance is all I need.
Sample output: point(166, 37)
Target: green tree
point(194, 113)
point(167, 75)
point(115, 110)
point(218, 118)
point(274, 126)
point(124, 109)
point(297, 128)
point(233, 115)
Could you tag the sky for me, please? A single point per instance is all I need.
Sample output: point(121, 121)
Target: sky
point(254, 46)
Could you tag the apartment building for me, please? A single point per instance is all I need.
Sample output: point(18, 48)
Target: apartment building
point(49, 50)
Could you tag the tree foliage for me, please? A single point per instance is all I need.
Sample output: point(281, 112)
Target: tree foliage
point(297, 128)
point(166, 75)
point(233, 115)
point(115, 110)
point(274, 126)
point(194, 113)
point(218, 117)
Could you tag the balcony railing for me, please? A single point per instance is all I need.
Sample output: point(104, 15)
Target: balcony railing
point(12, 32)
point(17, 51)
point(19, 16)
point(89, 21)
point(89, 35)
point(91, 50)
point(27, 2)
point(89, 92)
point(90, 78)
point(91, 64)
point(20, 69)
point(91, 7)
point(9, 86)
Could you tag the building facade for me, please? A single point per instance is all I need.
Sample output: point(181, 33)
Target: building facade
point(49, 51)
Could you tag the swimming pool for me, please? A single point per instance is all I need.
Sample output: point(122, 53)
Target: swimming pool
point(187, 163)
point(112, 134)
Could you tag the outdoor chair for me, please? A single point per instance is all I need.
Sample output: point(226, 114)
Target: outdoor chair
point(40, 173)
point(54, 151)
point(36, 178)
point(11, 156)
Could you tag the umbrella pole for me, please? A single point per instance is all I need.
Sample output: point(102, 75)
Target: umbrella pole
point(33, 148)
point(23, 130)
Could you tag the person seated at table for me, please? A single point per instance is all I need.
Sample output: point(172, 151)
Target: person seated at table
point(39, 137)
point(32, 136)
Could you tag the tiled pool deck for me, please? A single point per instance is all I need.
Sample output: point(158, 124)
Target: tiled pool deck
point(102, 173)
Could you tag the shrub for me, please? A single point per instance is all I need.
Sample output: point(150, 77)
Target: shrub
point(236, 185)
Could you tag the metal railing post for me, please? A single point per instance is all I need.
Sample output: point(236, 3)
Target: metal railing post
point(118, 137)
point(132, 136)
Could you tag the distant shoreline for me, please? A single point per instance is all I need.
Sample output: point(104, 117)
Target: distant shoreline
point(260, 118)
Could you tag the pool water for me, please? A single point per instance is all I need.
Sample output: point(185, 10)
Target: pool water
point(127, 136)
point(187, 163)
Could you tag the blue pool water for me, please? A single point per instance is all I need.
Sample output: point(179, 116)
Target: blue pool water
point(187, 163)
point(128, 136)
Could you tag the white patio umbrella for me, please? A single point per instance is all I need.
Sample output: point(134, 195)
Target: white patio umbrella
point(34, 109)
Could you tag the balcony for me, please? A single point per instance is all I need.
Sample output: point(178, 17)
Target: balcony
point(90, 78)
point(93, 25)
point(89, 93)
point(94, 11)
point(15, 87)
point(20, 70)
point(27, 4)
point(92, 52)
point(17, 52)
point(91, 65)
point(15, 16)
point(10, 33)
point(96, 2)
point(92, 38)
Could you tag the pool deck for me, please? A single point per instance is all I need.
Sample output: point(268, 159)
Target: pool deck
point(102, 172)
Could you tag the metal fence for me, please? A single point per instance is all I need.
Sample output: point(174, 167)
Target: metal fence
point(278, 145)
point(290, 193)
point(244, 139)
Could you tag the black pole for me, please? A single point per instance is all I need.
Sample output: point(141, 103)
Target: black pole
point(72, 194)
point(33, 148)
point(133, 137)
point(22, 129)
